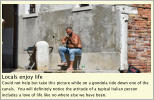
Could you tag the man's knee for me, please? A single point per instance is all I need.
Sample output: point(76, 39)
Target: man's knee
point(60, 48)
point(77, 52)
point(71, 52)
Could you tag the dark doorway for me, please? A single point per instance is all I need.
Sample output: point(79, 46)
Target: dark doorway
point(9, 37)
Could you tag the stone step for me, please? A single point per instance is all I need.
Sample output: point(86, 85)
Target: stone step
point(58, 71)
point(81, 71)
point(64, 71)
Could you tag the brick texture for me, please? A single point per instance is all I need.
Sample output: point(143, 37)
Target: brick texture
point(139, 38)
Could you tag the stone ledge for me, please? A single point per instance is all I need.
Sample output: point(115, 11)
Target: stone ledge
point(26, 16)
point(81, 9)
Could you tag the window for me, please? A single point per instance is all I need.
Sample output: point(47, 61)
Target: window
point(31, 11)
point(84, 5)
point(32, 8)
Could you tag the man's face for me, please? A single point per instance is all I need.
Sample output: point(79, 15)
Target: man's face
point(69, 31)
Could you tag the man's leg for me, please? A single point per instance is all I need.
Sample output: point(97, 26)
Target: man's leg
point(62, 50)
point(72, 53)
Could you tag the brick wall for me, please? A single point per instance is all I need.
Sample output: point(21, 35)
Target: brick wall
point(139, 38)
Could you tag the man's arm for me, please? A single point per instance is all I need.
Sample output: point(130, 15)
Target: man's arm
point(64, 39)
point(75, 41)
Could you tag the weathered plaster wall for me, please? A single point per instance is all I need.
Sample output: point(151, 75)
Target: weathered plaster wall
point(97, 28)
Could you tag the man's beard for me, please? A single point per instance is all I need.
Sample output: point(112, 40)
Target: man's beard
point(70, 34)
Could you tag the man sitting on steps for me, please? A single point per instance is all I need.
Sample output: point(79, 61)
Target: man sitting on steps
point(73, 46)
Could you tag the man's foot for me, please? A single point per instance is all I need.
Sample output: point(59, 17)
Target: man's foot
point(69, 69)
point(62, 64)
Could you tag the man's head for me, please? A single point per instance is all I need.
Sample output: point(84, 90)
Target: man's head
point(69, 30)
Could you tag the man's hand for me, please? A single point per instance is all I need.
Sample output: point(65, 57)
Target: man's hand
point(71, 40)
point(67, 36)
point(74, 41)
point(64, 39)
